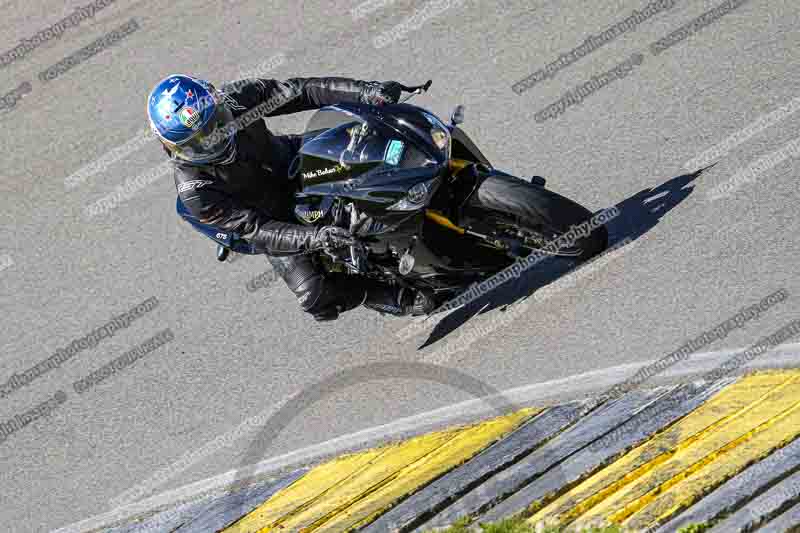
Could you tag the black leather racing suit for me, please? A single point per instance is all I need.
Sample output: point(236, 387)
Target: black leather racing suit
point(253, 197)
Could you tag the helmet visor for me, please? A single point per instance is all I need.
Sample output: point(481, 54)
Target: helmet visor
point(211, 142)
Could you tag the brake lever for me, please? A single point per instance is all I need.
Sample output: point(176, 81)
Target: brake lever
point(424, 87)
point(415, 90)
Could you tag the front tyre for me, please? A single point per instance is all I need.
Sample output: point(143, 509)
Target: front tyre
point(514, 209)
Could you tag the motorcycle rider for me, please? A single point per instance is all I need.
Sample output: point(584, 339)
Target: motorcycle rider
point(235, 178)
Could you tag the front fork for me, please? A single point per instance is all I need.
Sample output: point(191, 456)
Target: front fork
point(508, 246)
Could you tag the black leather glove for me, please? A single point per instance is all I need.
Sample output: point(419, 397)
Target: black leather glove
point(366, 226)
point(377, 93)
point(330, 237)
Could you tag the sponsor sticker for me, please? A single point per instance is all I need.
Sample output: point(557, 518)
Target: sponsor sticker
point(322, 172)
point(191, 185)
point(309, 215)
point(189, 117)
point(394, 151)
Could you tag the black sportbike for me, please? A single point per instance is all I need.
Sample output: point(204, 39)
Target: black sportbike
point(429, 210)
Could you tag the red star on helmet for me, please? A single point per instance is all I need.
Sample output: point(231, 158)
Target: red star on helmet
point(189, 93)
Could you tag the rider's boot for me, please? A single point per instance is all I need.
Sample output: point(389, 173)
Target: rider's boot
point(399, 301)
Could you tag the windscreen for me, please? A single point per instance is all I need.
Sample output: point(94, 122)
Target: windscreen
point(344, 143)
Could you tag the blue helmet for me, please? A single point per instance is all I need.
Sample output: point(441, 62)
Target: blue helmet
point(184, 112)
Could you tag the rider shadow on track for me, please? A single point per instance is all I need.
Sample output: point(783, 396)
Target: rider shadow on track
point(638, 214)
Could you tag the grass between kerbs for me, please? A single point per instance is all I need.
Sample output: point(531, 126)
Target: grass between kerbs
point(519, 525)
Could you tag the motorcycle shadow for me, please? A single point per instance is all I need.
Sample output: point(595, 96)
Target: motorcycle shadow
point(638, 214)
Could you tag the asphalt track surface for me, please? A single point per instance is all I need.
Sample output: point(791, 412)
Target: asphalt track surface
point(692, 262)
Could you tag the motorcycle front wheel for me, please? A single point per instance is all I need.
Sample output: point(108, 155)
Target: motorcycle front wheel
point(514, 210)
